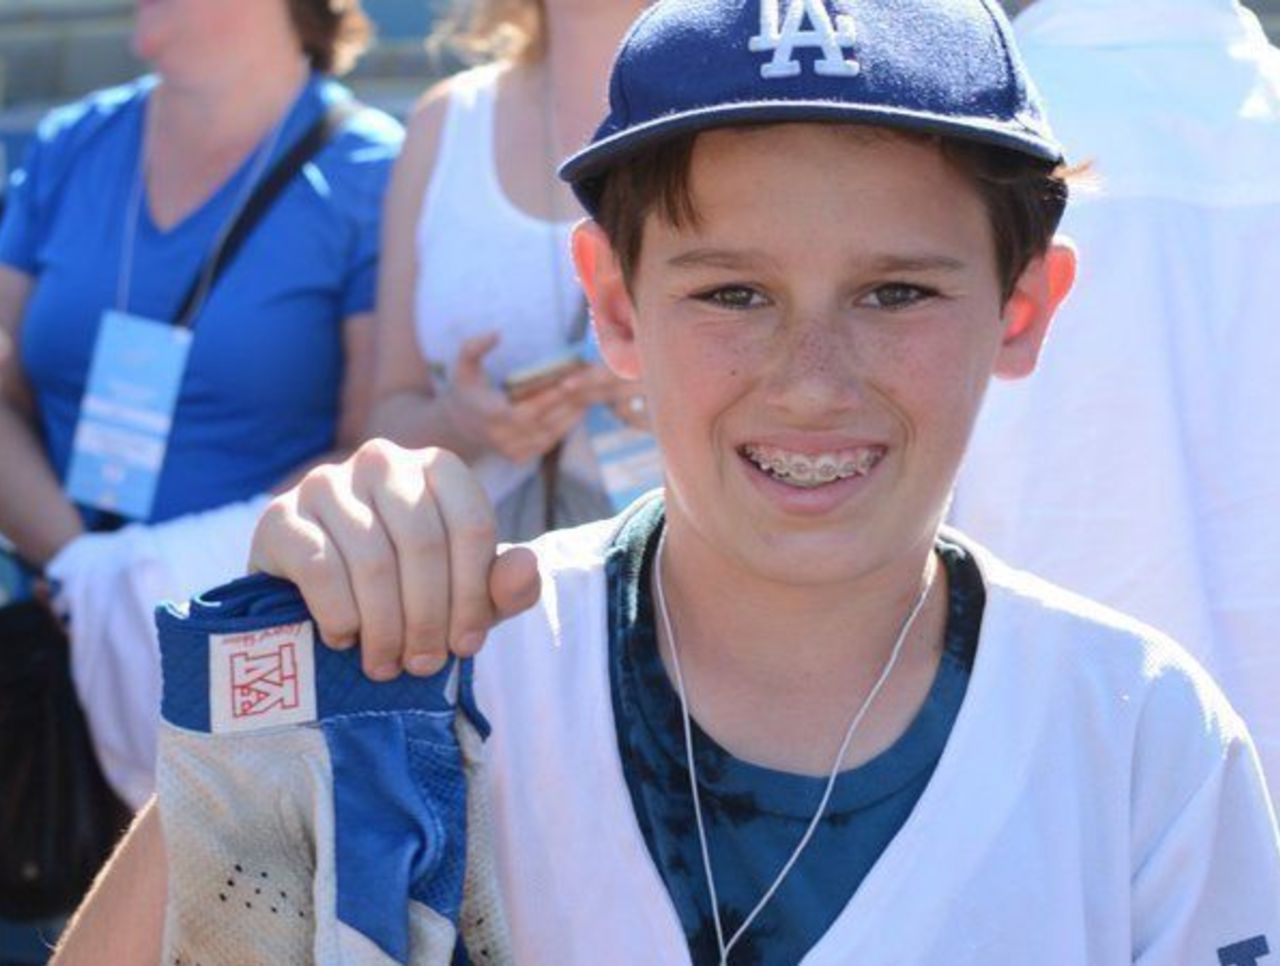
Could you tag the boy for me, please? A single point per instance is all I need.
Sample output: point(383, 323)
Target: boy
point(819, 228)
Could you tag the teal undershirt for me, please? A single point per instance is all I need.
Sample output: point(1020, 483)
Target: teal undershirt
point(755, 816)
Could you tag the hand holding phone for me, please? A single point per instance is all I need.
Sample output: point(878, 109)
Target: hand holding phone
point(526, 381)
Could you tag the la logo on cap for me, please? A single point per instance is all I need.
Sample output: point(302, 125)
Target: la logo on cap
point(783, 35)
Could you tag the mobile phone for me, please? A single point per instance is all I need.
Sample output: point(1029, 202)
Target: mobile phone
point(524, 382)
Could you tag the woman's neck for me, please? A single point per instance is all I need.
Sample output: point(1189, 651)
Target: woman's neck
point(231, 103)
point(202, 127)
point(581, 41)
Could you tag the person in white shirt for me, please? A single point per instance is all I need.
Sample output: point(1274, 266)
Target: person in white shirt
point(477, 285)
point(1141, 466)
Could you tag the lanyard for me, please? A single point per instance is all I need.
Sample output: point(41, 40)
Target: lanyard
point(724, 946)
point(133, 212)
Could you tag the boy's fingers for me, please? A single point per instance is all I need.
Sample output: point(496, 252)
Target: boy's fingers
point(470, 532)
point(413, 524)
point(295, 547)
point(359, 536)
point(514, 582)
point(513, 586)
point(398, 551)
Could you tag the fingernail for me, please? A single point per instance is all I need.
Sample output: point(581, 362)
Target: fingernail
point(424, 665)
point(470, 642)
point(385, 672)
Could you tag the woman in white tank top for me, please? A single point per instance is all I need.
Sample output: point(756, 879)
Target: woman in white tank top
point(476, 278)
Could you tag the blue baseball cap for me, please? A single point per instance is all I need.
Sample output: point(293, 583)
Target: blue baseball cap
point(945, 67)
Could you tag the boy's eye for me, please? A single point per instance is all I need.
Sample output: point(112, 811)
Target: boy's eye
point(897, 295)
point(732, 297)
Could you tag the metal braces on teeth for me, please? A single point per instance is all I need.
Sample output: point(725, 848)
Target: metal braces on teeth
point(806, 473)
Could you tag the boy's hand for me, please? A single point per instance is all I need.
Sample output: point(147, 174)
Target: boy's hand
point(395, 547)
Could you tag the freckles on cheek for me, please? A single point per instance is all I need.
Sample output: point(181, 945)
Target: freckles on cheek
point(735, 356)
point(712, 356)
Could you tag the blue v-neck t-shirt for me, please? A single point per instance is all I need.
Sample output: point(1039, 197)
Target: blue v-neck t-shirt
point(260, 395)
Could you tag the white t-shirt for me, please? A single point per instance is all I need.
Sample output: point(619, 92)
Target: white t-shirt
point(1141, 464)
point(1098, 801)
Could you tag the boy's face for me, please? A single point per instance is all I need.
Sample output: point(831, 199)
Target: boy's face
point(836, 310)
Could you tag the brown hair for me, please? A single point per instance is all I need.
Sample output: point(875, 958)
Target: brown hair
point(334, 33)
point(512, 30)
point(1025, 199)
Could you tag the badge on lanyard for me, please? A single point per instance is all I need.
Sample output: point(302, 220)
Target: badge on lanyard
point(127, 413)
point(629, 460)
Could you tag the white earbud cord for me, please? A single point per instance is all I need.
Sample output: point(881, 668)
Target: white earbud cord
point(890, 664)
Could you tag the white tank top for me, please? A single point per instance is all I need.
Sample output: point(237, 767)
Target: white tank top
point(486, 265)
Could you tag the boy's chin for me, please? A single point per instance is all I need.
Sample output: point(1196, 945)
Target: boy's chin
point(811, 559)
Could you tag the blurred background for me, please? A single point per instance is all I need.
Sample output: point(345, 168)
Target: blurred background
point(55, 50)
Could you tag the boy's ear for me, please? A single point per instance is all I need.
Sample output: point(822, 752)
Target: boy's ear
point(1027, 314)
point(612, 311)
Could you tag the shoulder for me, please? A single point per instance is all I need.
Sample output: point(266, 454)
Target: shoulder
point(426, 121)
point(1109, 668)
point(73, 123)
point(558, 646)
point(369, 138)
point(67, 131)
point(425, 133)
point(571, 564)
point(463, 88)
point(1120, 702)
point(349, 175)
point(563, 555)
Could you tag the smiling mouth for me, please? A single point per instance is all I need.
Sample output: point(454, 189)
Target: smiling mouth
point(811, 470)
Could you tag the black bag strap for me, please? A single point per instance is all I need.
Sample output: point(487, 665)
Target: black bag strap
point(259, 203)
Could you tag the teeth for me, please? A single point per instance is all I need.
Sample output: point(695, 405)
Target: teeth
point(810, 471)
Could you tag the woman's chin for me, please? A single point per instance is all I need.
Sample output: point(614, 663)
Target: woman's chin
point(152, 29)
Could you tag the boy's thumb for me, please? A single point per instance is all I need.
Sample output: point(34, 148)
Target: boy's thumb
point(514, 583)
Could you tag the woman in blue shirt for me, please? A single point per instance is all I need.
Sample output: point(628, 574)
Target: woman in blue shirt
point(117, 207)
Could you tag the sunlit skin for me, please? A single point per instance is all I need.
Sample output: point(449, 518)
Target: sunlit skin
point(839, 293)
point(170, 34)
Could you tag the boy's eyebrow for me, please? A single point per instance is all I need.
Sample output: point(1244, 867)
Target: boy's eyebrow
point(717, 258)
point(728, 258)
point(918, 263)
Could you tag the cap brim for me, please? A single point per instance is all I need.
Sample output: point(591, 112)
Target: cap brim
point(584, 168)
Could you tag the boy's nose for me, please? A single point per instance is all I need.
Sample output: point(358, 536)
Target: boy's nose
point(818, 367)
